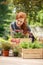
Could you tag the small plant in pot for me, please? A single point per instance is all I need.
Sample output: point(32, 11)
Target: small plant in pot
point(18, 35)
point(15, 51)
point(6, 47)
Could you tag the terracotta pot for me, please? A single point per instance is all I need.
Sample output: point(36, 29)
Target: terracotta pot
point(5, 53)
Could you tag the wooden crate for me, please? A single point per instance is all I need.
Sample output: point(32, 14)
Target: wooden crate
point(32, 53)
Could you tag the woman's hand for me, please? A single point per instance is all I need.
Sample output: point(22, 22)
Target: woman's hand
point(21, 31)
point(17, 30)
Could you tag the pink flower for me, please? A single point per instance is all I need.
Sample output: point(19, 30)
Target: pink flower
point(17, 41)
point(13, 40)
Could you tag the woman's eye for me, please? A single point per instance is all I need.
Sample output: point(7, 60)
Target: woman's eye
point(18, 20)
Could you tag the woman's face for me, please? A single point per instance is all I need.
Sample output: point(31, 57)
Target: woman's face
point(20, 21)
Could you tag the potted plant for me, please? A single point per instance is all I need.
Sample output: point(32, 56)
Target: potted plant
point(16, 51)
point(32, 50)
point(18, 35)
point(6, 47)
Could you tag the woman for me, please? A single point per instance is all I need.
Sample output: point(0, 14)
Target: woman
point(20, 24)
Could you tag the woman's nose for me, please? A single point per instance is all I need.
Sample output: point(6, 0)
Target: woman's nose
point(19, 22)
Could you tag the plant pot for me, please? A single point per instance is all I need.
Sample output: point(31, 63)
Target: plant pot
point(5, 53)
point(15, 54)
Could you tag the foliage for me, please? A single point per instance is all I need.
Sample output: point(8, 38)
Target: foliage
point(40, 16)
point(0, 46)
point(5, 17)
point(32, 8)
point(6, 45)
point(24, 45)
point(35, 45)
point(31, 45)
point(19, 35)
point(16, 49)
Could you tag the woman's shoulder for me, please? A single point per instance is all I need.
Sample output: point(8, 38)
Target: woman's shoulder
point(12, 23)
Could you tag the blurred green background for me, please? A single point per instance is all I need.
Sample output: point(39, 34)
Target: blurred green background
point(9, 8)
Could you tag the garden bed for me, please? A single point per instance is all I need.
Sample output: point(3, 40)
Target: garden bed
point(32, 53)
point(32, 50)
